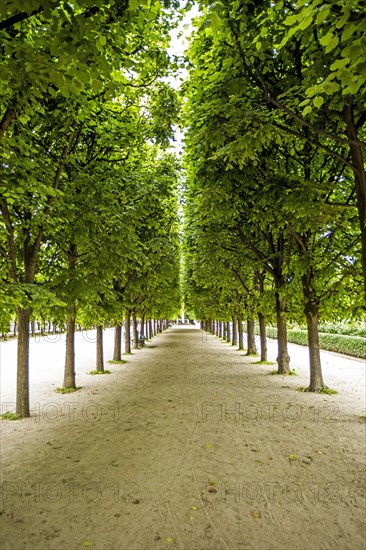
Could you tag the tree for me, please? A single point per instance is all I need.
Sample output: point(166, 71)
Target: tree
point(60, 63)
point(258, 175)
point(302, 73)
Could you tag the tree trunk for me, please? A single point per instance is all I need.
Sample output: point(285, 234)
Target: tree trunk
point(135, 332)
point(360, 181)
point(128, 331)
point(228, 332)
point(22, 404)
point(117, 343)
point(252, 349)
point(6, 120)
point(151, 334)
point(234, 339)
point(69, 373)
point(283, 359)
point(142, 325)
point(240, 333)
point(316, 377)
point(263, 336)
point(100, 355)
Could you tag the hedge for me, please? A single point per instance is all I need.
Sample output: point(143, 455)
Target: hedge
point(347, 329)
point(339, 343)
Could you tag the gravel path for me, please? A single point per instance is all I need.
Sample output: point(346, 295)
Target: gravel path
point(189, 445)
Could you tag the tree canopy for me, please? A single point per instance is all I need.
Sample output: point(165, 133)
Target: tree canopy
point(272, 190)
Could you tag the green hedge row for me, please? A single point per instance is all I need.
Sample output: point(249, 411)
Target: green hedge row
point(349, 330)
point(340, 343)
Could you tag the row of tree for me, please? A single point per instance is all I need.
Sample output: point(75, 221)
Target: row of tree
point(89, 194)
point(276, 187)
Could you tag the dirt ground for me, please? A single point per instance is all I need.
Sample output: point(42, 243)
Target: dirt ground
point(189, 445)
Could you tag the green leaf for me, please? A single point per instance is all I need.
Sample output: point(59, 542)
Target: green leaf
point(326, 39)
point(318, 101)
point(332, 44)
point(305, 23)
point(215, 21)
point(330, 88)
point(348, 31)
point(324, 11)
point(339, 64)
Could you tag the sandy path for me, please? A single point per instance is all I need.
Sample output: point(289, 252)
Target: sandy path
point(187, 446)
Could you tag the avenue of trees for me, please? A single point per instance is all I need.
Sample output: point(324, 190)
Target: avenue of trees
point(89, 192)
point(276, 189)
point(274, 200)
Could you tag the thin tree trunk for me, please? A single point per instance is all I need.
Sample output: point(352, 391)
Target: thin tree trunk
point(100, 355)
point(117, 343)
point(151, 334)
point(22, 403)
point(316, 377)
point(142, 325)
point(263, 336)
point(240, 333)
point(234, 339)
point(360, 180)
point(135, 332)
point(69, 373)
point(228, 332)
point(128, 331)
point(283, 359)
